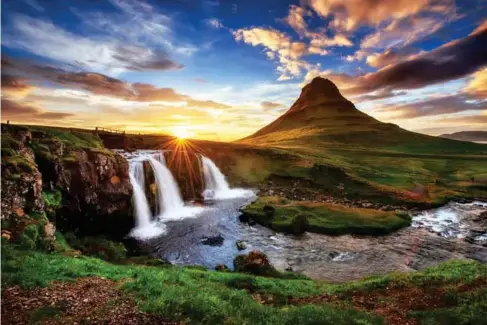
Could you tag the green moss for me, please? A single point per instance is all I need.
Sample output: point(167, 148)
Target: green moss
point(332, 219)
point(52, 199)
point(8, 152)
point(26, 242)
point(20, 163)
point(8, 142)
point(60, 244)
point(98, 246)
point(32, 232)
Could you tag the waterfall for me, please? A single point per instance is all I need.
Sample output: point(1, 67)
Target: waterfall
point(168, 196)
point(144, 226)
point(214, 179)
point(216, 185)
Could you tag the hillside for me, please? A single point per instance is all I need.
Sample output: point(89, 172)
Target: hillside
point(472, 136)
point(321, 118)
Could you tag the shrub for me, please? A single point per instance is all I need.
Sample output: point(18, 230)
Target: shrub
point(269, 211)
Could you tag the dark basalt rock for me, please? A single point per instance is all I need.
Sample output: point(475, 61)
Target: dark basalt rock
point(222, 268)
point(241, 245)
point(213, 241)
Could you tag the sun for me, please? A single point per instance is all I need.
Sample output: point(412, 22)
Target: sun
point(182, 132)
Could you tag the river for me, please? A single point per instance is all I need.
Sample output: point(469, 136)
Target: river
point(435, 236)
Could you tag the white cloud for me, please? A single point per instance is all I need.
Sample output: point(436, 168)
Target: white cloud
point(213, 22)
point(43, 38)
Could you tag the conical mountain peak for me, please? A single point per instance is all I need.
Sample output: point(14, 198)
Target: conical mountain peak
point(320, 86)
point(319, 109)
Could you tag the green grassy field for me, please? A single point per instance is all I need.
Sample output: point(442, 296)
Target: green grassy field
point(325, 218)
point(195, 296)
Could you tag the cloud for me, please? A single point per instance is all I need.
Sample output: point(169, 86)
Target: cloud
point(434, 106)
point(323, 41)
point(477, 86)
point(350, 14)
point(279, 46)
point(14, 110)
point(43, 38)
point(34, 4)
point(450, 61)
point(19, 73)
point(266, 105)
point(391, 56)
point(403, 32)
point(13, 85)
point(213, 22)
point(296, 19)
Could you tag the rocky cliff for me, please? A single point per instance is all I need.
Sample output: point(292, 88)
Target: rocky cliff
point(92, 182)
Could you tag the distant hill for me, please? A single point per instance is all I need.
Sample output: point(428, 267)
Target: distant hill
point(472, 136)
point(322, 118)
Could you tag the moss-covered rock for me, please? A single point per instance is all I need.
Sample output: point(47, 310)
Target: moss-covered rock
point(256, 263)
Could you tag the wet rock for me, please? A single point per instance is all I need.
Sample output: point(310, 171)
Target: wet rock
point(481, 217)
point(222, 268)
point(254, 262)
point(244, 217)
point(332, 255)
point(241, 245)
point(213, 241)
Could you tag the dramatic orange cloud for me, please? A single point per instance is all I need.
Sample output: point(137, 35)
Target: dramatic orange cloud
point(477, 86)
point(349, 14)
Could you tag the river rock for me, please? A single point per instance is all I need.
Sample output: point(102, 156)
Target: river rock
point(213, 241)
point(222, 268)
point(241, 245)
point(254, 262)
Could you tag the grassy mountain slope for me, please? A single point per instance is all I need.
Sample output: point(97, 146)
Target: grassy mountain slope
point(325, 129)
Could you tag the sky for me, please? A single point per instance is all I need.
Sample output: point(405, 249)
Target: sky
point(222, 69)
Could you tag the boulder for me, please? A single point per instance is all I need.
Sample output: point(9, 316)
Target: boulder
point(254, 262)
point(241, 245)
point(222, 268)
point(213, 241)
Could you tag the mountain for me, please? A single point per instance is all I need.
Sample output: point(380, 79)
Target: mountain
point(472, 136)
point(323, 118)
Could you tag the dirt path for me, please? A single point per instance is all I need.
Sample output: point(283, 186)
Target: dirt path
point(91, 300)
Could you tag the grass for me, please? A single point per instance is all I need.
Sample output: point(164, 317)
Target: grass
point(281, 215)
point(208, 297)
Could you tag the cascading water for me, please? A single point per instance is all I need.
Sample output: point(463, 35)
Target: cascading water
point(168, 195)
point(216, 185)
point(144, 226)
